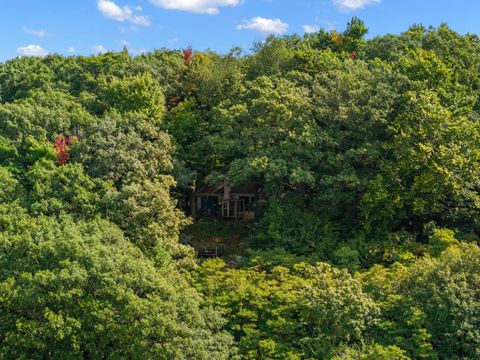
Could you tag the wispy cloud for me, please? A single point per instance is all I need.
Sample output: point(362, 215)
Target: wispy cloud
point(351, 5)
point(37, 33)
point(32, 50)
point(263, 25)
point(137, 51)
point(71, 50)
point(130, 29)
point(211, 7)
point(126, 13)
point(311, 28)
point(98, 49)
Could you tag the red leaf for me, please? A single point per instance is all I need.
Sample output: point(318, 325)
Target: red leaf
point(62, 144)
point(188, 55)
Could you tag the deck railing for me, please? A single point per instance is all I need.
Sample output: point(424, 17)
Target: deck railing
point(209, 251)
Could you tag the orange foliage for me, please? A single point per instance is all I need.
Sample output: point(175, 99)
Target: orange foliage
point(62, 144)
point(188, 55)
point(337, 38)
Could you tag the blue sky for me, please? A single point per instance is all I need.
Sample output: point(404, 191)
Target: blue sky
point(38, 27)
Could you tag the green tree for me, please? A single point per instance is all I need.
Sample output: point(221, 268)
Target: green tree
point(141, 151)
point(10, 189)
point(80, 290)
point(306, 312)
point(430, 175)
point(148, 215)
point(137, 94)
point(430, 309)
point(55, 190)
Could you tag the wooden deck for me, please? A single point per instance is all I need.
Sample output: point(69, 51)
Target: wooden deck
point(209, 251)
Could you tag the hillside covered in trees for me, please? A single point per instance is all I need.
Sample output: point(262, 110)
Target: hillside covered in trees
point(365, 239)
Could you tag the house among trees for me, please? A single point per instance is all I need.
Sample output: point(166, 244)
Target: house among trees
point(225, 202)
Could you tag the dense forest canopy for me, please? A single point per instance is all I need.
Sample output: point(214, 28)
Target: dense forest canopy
point(365, 241)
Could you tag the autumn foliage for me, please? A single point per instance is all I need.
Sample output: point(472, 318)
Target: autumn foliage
point(188, 55)
point(62, 144)
point(337, 38)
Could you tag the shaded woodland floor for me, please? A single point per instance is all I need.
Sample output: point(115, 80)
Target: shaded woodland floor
point(231, 235)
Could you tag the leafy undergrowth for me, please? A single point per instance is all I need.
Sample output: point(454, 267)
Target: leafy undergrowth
point(231, 234)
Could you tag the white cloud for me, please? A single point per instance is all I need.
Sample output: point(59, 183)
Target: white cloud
point(330, 25)
point(32, 50)
point(311, 28)
point(173, 40)
point(267, 26)
point(131, 29)
point(351, 5)
point(71, 50)
point(124, 43)
point(138, 51)
point(112, 11)
point(210, 7)
point(37, 33)
point(98, 49)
